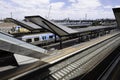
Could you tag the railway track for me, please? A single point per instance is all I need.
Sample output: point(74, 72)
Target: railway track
point(79, 63)
point(107, 74)
point(108, 69)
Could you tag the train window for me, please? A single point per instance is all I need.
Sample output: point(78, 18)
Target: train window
point(36, 39)
point(50, 37)
point(28, 40)
point(44, 37)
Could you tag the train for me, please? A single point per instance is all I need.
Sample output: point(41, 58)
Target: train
point(48, 38)
point(39, 38)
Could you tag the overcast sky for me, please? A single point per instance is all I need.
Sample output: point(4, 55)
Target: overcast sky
point(59, 9)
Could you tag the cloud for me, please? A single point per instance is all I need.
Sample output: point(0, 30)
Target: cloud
point(31, 3)
point(72, 1)
point(108, 6)
point(57, 5)
point(21, 8)
point(5, 9)
point(117, 6)
point(77, 9)
point(86, 4)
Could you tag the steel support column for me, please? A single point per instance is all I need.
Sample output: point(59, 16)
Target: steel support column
point(60, 42)
point(55, 38)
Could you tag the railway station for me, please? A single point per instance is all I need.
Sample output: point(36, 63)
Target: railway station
point(61, 31)
point(77, 53)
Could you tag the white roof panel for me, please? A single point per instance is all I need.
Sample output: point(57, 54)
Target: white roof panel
point(13, 45)
point(30, 24)
point(51, 26)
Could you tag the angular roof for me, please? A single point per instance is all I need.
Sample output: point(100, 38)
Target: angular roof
point(51, 26)
point(117, 15)
point(38, 22)
point(92, 28)
point(29, 25)
point(13, 45)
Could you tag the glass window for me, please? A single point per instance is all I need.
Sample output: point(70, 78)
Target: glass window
point(36, 39)
point(28, 40)
point(44, 37)
point(50, 37)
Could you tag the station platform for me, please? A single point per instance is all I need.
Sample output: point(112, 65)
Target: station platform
point(53, 58)
point(66, 52)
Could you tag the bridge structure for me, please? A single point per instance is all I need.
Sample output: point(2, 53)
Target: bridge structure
point(75, 62)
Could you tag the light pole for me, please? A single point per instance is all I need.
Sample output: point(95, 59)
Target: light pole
point(85, 16)
point(11, 14)
point(49, 11)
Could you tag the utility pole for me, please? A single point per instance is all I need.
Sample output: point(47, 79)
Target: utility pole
point(49, 12)
point(85, 16)
point(11, 15)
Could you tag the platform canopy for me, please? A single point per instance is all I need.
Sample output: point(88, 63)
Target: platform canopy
point(51, 26)
point(94, 28)
point(13, 45)
point(117, 15)
point(38, 22)
point(28, 25)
